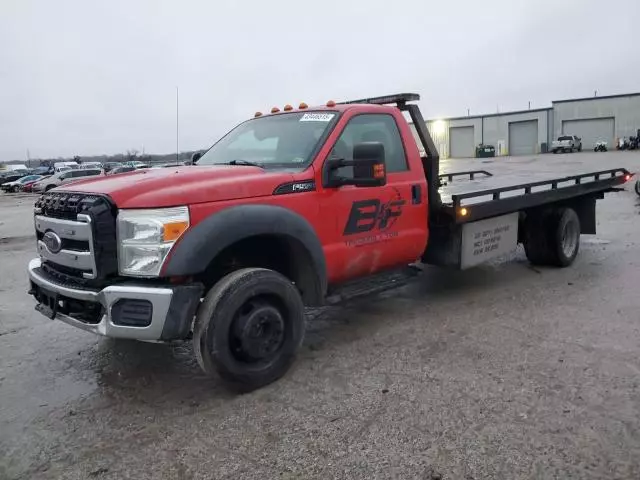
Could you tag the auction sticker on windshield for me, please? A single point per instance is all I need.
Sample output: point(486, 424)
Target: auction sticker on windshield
point(317, 117)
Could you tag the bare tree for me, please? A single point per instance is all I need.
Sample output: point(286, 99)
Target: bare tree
point(132, 155)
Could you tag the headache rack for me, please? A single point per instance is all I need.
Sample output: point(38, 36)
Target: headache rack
point(513, 198)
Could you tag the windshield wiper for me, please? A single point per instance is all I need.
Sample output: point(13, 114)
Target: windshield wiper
point(243, 162)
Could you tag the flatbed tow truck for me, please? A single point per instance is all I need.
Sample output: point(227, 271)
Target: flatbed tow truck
point(279, 214)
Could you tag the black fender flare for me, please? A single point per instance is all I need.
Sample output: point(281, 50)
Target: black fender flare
point(205, 240)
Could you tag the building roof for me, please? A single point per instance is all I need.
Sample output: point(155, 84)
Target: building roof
point(497, 114)
point(517, 112)
point(603, 97)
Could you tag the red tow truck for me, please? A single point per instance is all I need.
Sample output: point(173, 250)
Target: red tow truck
point(277, 215)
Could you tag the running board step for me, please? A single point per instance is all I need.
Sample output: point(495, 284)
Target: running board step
point(372, 284)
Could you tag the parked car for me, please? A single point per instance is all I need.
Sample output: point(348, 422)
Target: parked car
point(42, 171)
point(10, 176)
point(136, 164)
point(64, 178)
point(17, 185)
point(90, 165)
point(567, 143)
point(62, 166)
point(28, 187)
point(111, 165)
point(122, 169)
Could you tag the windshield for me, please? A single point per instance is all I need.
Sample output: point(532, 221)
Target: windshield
point(562, 139)
point(287, 140)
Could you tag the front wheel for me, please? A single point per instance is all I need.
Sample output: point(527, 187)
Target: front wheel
point(637, 187)
point(249, 327)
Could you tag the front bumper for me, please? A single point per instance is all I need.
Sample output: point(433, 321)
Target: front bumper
point(163, 312)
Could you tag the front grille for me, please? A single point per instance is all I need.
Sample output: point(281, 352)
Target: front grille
point(66, 276)
point(86, 227)
point(65, 205)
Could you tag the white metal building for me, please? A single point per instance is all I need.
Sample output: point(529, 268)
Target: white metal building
point(530, 132)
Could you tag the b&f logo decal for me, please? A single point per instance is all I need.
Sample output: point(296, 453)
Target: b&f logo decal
point(372, 214)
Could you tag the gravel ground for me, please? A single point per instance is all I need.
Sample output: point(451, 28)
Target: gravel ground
point(504, 371)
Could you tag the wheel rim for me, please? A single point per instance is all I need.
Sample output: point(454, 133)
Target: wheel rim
point(257, 332)
point(569, 239)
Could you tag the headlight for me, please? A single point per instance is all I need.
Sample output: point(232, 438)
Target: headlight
point(146, 236)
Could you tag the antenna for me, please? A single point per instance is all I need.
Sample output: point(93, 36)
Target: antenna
point(177, 123)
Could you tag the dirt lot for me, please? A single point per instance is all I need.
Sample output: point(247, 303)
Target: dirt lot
point(505, 371)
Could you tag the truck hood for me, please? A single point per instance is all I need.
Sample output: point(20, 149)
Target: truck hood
point(166, 187)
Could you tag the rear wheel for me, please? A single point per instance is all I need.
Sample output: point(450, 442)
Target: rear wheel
point(553, 238)
point(249, 328)
point(49, 187)
point(637, 187)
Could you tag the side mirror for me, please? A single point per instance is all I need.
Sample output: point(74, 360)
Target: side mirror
point(369, 168)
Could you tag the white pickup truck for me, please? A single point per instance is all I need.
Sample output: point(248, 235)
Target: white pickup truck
point(567, 143)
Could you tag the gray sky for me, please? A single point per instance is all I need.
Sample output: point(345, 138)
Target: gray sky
point(87, 77)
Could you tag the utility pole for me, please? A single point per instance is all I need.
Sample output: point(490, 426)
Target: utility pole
point(529, 104)
point(28, 159)
point(468, 112)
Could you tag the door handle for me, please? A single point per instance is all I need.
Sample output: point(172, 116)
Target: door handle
point(416, 194)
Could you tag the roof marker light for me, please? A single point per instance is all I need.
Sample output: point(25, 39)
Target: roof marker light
point(303, 105)
point(275, 110)
point(257, 114)
point(287, 108)
point(331, 104)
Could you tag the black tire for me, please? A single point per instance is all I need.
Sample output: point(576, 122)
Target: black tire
point(49, 187)
point(234, 311)
point(580, 148)
point(535, 239)
point(15, 189)
point(568, 150)
point(555, 150)
point(637, 187)
point(553, 238)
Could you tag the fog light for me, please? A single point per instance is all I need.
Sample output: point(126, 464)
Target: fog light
point(132, 312)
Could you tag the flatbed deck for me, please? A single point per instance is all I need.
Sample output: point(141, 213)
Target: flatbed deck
point(483, 193)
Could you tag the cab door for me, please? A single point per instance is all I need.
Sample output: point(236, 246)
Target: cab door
point(373, 228)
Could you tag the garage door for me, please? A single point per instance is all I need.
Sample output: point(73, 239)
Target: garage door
point(461, 142)
point(590, 130)
point(523, 138)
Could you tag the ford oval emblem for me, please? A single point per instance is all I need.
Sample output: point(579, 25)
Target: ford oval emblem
point(52, 241)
